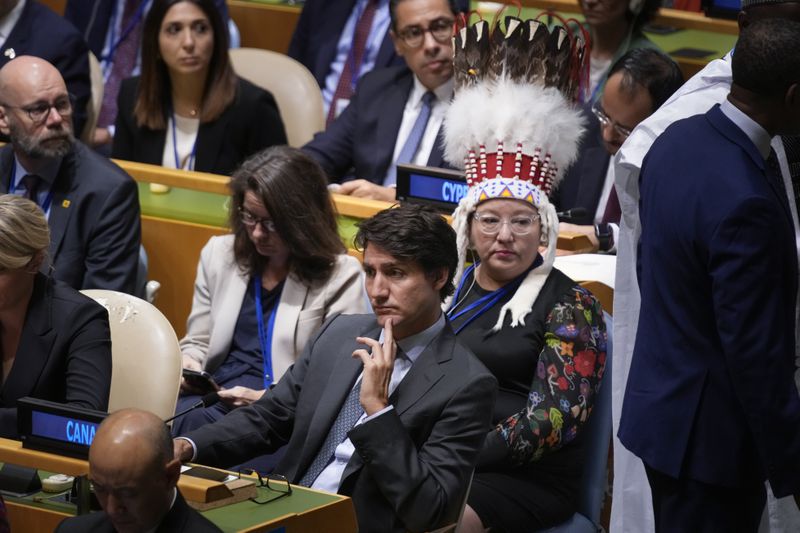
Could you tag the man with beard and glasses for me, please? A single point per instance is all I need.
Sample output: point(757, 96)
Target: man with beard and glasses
point(92, 205)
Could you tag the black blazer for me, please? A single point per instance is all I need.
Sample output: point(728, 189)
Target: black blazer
point(583, 183)
point(94, 221)
point(411, 465)
point(251, 123)
point(64, 353)
point(181, 518)
point(40, 32)
point(360, 142)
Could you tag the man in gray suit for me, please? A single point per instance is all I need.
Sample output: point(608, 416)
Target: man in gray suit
point(388, 409)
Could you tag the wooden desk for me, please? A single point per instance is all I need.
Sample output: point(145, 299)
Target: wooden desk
point(305, 510)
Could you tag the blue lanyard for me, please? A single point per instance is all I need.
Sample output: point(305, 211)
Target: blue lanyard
point(484, 303)
point(190, 161)
point(12, 186)
point(265, 334)
point(113, 42)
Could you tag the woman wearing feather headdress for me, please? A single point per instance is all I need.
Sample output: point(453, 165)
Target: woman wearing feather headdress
point(514, 126)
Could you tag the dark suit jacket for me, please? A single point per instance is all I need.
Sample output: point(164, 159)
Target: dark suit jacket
point(94, 221)
point(411, 464)
point(319, 29)
point(251, 123)
point(317, 34)
point(92, 17)
point(181, 518)
point(711, 393)
point(40, 32)
point(64, 353)
point(360, 142)
point(583, 183)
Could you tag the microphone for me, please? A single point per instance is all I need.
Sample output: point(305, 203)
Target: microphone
point(575, 212)
point(206, 401)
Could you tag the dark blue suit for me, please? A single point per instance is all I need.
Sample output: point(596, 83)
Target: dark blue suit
point(583, 184)
point(711, 396)
point(360, 142)
point(40, 32)
point(95, 229)
point(317, 34)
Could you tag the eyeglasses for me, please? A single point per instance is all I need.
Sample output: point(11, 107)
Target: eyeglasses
point(274, 483)
point(605, 120)
point(39, 112)
point(250, 220)
point(519, 224)
point(441, 29)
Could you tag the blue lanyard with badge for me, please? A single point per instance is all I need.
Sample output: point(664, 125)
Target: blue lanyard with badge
point(12, 185)
point(484, 303)
point(191, 158)
point(265, 333)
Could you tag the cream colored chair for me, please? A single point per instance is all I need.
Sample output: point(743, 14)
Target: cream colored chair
point(93, 111)
point(145, 354)
point(294, 88)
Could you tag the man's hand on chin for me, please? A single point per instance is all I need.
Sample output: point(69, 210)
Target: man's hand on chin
point(367, 189)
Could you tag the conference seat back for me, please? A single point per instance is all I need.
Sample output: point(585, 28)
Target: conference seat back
point(295, 90)
point(145, 353)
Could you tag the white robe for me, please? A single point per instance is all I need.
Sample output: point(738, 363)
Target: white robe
point(631, 509)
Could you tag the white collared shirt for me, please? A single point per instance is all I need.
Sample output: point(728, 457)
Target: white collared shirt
point(444, 94)
point(754, 131)
point(9, 21)
point(331, 477)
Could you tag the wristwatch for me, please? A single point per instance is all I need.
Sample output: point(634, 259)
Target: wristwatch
point(604, 236)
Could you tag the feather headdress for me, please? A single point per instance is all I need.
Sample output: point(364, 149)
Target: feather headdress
point(514, 127)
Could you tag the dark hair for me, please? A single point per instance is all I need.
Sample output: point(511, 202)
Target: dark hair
point(647, 13)
point(455, 7)
point(153, 98)
point(766, 60)
point(413, 233)
point(293, 189)
point(653, 70)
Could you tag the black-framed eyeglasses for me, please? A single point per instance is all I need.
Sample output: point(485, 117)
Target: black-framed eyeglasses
point(39, 111)
point(278, 485)
point(250, 220)
point(441, 29)
point(490, 224)
point(605, 120)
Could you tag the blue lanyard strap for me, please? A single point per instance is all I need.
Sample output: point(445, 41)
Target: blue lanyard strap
point(190, 161)
point(484, 303)
point(265, 334)
point(12, 187)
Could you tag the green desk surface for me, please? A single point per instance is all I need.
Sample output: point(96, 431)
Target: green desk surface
point(233, 517)
point(207, 208)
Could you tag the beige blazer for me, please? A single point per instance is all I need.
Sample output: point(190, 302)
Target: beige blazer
point(219, 291)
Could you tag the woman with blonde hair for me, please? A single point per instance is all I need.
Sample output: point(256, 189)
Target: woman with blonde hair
point(54, 341)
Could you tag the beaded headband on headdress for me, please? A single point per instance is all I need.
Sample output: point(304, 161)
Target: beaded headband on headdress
point(514, 126)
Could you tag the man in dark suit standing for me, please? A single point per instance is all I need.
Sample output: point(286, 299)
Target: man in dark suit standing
point(396, 113)
point(92, 205)
point(638, 83)
point(29, 28)
point(711, 406)
point(134, 474)
point(387, 409)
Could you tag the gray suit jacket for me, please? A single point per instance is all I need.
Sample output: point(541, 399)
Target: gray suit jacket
point(412, 464)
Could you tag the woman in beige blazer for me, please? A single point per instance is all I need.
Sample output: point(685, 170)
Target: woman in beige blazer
point(262, 292)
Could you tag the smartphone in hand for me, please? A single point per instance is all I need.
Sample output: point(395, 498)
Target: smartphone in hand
point(200, 381)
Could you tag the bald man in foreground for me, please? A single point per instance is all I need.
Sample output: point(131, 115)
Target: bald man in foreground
point(92, 205)
point(134, 474)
